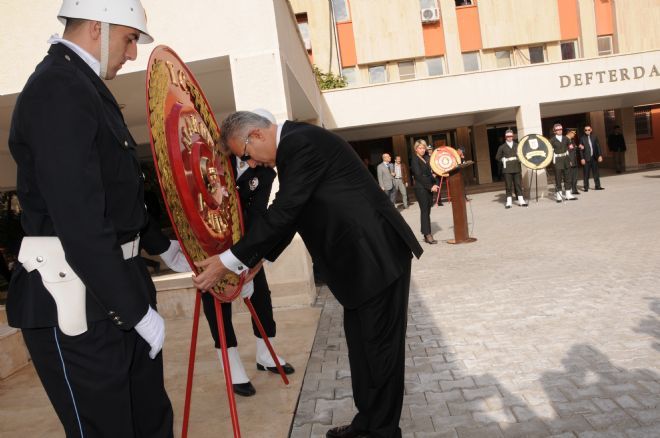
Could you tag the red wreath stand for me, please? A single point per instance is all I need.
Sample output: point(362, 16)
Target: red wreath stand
point(199, 190)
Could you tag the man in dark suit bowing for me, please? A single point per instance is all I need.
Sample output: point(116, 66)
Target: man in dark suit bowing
point(356, 238)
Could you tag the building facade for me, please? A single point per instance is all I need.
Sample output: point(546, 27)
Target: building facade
point(461, 72)
point(456, 72)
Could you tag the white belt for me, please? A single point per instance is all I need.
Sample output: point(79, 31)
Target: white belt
point(555, 156)
point(131, 249)
point(504, 160)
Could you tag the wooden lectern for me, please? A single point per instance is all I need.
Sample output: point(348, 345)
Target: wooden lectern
point(459, 211)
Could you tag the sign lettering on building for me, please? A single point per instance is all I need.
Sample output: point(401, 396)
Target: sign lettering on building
point(607, 76)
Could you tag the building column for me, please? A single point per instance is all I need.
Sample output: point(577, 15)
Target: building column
point(258, 82)
point(588, 36)
point(528, 121)
point(453, 54)
point(400, 148)
point(626, 117)
point(482, 154)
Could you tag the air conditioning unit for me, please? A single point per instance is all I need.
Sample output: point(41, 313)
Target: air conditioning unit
point(430, 15)
point(308, 44)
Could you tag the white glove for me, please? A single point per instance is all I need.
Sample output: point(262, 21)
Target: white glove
point(152, 329)
point(248, 289)
point(174, 258)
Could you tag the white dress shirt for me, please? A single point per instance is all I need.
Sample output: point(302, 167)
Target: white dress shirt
point(93, 63)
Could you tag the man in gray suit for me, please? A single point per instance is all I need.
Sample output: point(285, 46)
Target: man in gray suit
point(385, 172)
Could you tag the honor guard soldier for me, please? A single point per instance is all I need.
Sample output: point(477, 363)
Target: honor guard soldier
point(560, 144)
point(507, 153)
point(84, 301)
point(572, 161)
point(254, 186)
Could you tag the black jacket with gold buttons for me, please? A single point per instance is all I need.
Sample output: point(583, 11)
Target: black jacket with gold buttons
point(79, 179)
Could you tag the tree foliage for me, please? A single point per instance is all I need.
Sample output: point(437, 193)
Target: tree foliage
point(328, 81)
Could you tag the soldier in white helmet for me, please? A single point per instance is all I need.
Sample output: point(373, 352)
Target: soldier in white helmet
point(85, 303)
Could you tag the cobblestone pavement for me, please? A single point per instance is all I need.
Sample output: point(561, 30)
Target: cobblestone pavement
point(548, 325)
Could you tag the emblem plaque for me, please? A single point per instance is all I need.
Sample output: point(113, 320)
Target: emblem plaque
point(444, 159)
point(196, 179)
point(535, 151)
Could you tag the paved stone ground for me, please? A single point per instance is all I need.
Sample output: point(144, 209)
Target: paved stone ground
point(548, 325)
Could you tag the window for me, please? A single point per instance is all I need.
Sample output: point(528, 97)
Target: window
point(340, 10)
point(406, 70)
point(643, 122)
point(503, 58)
point(436, 66)
point(303, 27)
point(568, 50)
point(471, 61)
point(464, 2)
point(377, 74)
point(605, 45)
point(536, 55)
point(351, 75)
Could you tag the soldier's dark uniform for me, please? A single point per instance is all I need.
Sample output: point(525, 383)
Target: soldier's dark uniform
point(511, 170)
point(254, 187)
point(79, 179)
point(561, 163)
point(573, 165)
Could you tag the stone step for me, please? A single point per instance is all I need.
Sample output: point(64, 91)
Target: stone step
point(290, 279)
point(13, 354)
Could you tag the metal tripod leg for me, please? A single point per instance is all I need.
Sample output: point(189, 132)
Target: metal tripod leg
point(262, 332)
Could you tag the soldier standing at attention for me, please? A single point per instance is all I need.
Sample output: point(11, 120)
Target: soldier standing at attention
point(82, 192)
point(507, 153)
point(560, 144)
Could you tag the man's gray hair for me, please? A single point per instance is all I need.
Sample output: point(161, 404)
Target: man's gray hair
point(237, 125)
point(508, 131)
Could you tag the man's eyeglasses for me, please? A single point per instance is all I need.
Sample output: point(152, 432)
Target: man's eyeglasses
point(245, 155)
point(587, 130)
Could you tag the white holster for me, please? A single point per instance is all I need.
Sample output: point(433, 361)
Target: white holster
point(46, 255)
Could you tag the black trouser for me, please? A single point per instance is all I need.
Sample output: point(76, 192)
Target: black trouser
point(561, 173)
point(512, 180)
point(425, 199)
point(263, 306)
point(573, 176)
point(102, 381)
point(376, 340)
point(591, 165)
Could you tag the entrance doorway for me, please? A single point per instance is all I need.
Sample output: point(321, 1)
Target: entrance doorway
point(495, 139)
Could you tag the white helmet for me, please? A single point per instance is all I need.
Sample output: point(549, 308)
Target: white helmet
point(128, 13)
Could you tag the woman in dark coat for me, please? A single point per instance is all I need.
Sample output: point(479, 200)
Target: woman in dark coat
point(424, 186)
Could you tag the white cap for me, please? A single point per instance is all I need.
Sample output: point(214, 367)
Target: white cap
point(128, 13)
point(265, 114)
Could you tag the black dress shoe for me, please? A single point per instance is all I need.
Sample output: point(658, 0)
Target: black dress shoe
point(430, 240)
point(287, 368)
point(244, 389)
point(574, 192)
point(599, 188)
point(586, 190)
point(346, 431)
